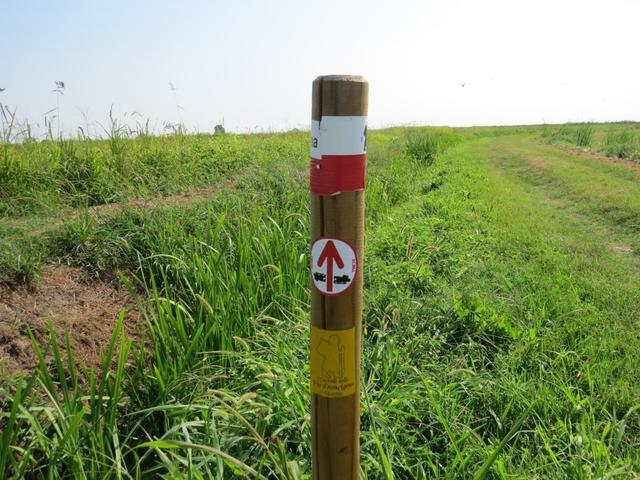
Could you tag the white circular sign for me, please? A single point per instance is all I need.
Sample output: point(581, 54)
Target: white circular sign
point(333, 265)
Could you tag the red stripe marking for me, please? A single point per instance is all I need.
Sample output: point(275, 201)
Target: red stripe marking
point(338, 173)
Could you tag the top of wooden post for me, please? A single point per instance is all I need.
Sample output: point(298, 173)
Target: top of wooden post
point(339, 95)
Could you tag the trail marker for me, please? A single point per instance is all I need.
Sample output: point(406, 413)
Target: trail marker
point(337, 182)
point(333, 265)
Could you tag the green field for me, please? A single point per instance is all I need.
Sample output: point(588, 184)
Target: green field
point(502, 305)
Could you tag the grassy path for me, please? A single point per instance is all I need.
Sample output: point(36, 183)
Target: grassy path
point(588, 213)
point(508, 286)
point(588, 208)
point(604, 191)
point(539, 250)
point(583, 216)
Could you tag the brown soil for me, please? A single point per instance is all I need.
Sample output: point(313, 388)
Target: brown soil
point(89, 310)
point(62, 296)
point(624, 162)
point(622, 248)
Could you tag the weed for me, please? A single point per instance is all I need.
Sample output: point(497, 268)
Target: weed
point(584, 135)
point(621, 144)
point(423, 148)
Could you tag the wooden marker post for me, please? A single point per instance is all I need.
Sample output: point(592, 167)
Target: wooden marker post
point(338, 161)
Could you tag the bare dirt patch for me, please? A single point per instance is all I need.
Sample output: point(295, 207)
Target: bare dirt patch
point(62, 296)
point(622, 248)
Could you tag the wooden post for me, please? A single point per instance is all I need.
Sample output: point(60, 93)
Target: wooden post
point(338, 160)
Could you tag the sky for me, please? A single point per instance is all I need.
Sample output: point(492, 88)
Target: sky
point(250, 64)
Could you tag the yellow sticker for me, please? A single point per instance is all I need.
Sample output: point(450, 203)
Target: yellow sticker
point(333, 362)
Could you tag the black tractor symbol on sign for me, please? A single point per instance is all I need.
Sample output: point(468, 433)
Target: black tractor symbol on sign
point(319, 277)
point(342, 279)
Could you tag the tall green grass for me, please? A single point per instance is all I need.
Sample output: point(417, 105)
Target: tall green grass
point(45, 176)
point(584, 135)
point(216, 279)
point(615, 140)
point(424, 145)
point(482, 353)
point(622, 144)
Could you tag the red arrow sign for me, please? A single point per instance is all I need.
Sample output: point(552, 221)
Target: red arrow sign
point(330, 254)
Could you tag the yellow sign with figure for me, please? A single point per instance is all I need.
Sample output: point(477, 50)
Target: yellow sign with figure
point(333, 362)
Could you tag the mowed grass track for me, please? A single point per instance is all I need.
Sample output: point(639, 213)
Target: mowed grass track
point(587, 208)
point(501, 340)
point(584, 213)
point(545, 259)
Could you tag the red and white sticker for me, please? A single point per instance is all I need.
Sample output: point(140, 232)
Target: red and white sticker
point(334, 265)
point(338, 135)
point(338, 154)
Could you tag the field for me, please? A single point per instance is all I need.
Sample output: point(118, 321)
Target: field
point(154, 305)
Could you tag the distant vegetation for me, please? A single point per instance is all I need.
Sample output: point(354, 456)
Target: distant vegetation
point(620, 140)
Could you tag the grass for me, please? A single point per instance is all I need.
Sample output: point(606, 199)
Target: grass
point(44, 177)
point(620, 140)
point(584, 135)
point(42, 184)
point(424, 148)
point(622, 144)
point(500, 325)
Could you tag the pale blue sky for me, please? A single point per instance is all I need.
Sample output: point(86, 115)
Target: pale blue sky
point(252, 62)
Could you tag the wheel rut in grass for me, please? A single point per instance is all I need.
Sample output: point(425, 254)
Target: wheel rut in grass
point(175, 200)
point(111, 209)
point(604, 198)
